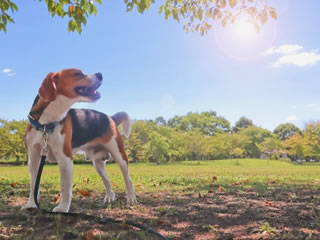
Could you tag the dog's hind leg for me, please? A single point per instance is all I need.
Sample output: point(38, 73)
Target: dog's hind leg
point(100, 168)
point(118, 156)
point(33, 165)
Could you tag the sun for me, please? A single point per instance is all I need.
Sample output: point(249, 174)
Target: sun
point(245, 30)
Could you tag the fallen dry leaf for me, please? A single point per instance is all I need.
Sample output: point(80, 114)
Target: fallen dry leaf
point(214, 179)
point(57, 198)
point(92, 234)
point(13, 184)
point(84, 193)
point(140, 186)
point(220, 189)
point(236, 183)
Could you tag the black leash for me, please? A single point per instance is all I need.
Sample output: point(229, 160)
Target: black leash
point(101, 220)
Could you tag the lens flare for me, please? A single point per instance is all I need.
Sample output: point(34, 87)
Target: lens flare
point(245, 30)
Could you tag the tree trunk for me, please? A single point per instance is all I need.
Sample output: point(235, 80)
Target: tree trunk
point(17, 160)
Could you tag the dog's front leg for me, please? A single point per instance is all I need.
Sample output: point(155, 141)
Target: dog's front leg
point(33, 165)
point(66, 174)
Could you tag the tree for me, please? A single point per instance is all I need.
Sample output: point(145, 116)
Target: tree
point(76, 10)
point(197, 144)
point(237, 153)
point(160, 121)
point(197, 15)
point(238, 142)
point(140, 136)
point(256, 136)
point(208, 123)
point(286, 130)
point(134, 147)
point(295, 146)
point(270, 146)
point(158, 147)
point(12, 139)
point(243, 122)
point(312, 140)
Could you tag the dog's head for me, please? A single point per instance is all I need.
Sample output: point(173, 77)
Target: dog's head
point(71, 83)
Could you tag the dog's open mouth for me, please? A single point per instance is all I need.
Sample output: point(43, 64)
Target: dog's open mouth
point(90, 92)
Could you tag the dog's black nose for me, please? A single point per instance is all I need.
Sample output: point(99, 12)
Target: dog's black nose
point(99, 76)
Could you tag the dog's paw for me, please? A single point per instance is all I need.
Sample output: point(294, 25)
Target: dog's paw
point(28, 205)
point(110, 197)
point(60, 208)
point(131, 198)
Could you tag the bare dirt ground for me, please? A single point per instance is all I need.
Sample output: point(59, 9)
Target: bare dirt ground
point(217, 213)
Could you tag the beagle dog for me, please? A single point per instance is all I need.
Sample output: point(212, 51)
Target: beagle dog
point(72, 130)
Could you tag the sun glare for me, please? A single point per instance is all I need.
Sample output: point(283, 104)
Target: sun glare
point(245, 30)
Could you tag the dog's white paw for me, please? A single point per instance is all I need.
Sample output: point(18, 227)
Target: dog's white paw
point(60, 208)
point(110, 197)
point(131, 198)
point(28, 205)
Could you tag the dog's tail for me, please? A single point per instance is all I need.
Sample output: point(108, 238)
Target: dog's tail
point(123, 119)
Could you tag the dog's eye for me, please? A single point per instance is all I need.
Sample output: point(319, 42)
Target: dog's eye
point(78, 74)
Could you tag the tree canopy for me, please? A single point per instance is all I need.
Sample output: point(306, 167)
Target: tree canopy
point(286, 130)
point(194, 136)
point(243, 122)
point(197, 15)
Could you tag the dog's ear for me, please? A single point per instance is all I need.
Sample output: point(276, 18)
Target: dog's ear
point(48, 89)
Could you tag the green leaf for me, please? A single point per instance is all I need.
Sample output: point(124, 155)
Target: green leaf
point(129, 6)
point(85, 6)
point(71, 26)
point(78, 27)
point(160, 9)
point(94, 10)
point(13, 7)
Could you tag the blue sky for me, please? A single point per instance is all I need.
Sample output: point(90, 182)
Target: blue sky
point(151, 67)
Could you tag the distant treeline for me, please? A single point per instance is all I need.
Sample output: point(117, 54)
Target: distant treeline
point(195, 136)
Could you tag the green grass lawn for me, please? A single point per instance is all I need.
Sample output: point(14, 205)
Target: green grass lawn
point(221, 199)
point(177, 176)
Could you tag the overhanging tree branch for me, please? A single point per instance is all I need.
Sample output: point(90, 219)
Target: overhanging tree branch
point(198, 15)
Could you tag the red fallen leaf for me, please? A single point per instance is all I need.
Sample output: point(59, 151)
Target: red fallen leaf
point(220, 189)
point(214, 179)
point(84, 193)
point(210, 191)
point(92, 234)
point(13, 184)
point(236, 183)
point(57, 198)
point(163, 222)
point(269, 203)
